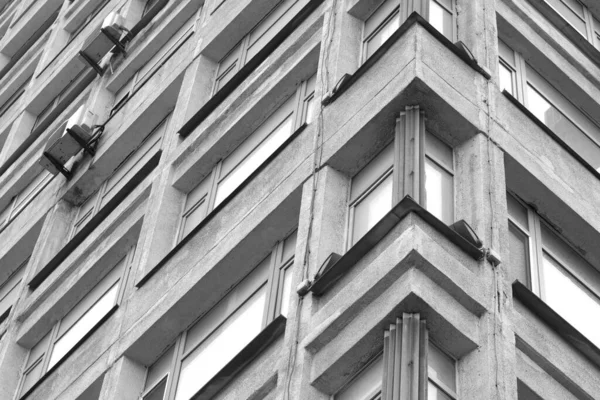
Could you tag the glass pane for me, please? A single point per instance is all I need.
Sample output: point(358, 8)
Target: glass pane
point(372, 208)
point(84, 325)
point(439, 151)
point(383, 34)
point(310, 110)
point(441, 19)
point(517, 211)
point(506, 79)
point(159, 369)
point(245, 168)
point(439, 193)
point(221, 346)
point(158, 392)
point(382, 14)
point(433, 393)
point(570, 13)
point(38, 350)
point(570, 299)
point(286, 291)
point(441, 368)
point(193, 218)
point(563, 127)
point(519, 253)
point(32, 377)
point(366, 384)
point(506, 53)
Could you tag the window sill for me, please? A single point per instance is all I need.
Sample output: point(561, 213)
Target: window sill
point(410, 21)
point(263, 340)
point(556, 322)
point(247, 69)
point(73, 350)
point(217, 209)
point(53, 264)
point(550, 133)
point(336, 266)
point(566, 29)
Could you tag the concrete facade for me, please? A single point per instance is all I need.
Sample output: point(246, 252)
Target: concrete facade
point(504, 348)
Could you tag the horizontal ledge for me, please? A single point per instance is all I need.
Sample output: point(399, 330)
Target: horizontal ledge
point(263, 340)
point(550, 133)
point(561, 326)
point(96, 220)
point(337, 266)
point(247, 69)
point(217, 209)
point(414, 18)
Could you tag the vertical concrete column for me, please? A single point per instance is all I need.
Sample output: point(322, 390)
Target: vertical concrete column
point(476, 20)
point(341, 43)
point(328, 211)
point(123, 381)
point(409, 150)
point(12, 358)
point(481, 201)
point(407, 7)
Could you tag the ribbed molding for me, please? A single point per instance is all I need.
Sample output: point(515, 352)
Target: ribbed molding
point(410, 161)
point(408, 6)
point(405, 359)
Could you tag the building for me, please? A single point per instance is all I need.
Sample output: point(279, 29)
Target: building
point(299, 199)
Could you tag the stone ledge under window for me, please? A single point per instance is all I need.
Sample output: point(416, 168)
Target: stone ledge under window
point(217, 209)
point(247, 69)
point(336, 266)
point(68, 248)
point(68, 354)
point(414, 18)
point(550, 133)
point(263, 340)
point(556, 322)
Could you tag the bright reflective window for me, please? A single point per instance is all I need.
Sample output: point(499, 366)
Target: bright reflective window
point(441, 370)
point(570, 299)
point(366, 385)
point(440, 16)
point(506, 79)
point(371, 208)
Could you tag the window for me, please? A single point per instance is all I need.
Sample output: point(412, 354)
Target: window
point(26, 196)
point(148, 6)
point(220, 334)
point(120, 177)
point(557, 273)
point(579, 17)
point(76, 324)
point(368, 383)
point(372, 189)
point(14, 98)
point(9, 290)
point(237, 167)
point(147, 71)
point(544, 101)
point(252, 43)
point(386, 19)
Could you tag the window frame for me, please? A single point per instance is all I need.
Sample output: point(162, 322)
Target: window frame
point(379, 179)
point(560, 103)
point(242, 47)
point(299, 104)
point(53, 337)
point(536, 249)
point(278, 264)
point(591, 31)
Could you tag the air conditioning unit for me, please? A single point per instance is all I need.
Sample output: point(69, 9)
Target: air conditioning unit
point(102, 41)
point(71, 137)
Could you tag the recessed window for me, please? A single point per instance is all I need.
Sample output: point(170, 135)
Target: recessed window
point(372, 189)
point(9, 290)
point(441, 377)
point(557, 273)
point(550, 106)
point(255, 41)
point(386, 19)
point(205, 348)
point(75, 325)
point(239, 165)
